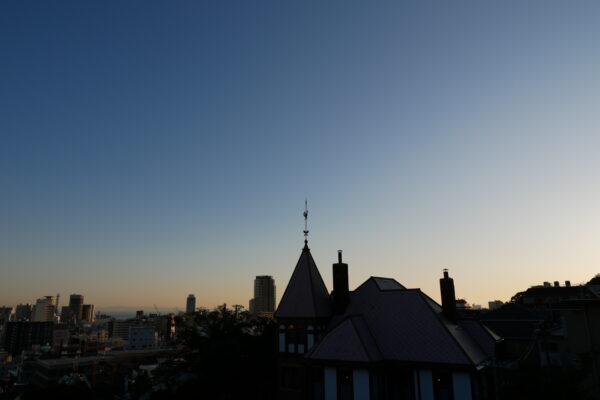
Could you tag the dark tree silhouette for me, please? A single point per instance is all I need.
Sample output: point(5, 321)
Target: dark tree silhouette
point(224, 354)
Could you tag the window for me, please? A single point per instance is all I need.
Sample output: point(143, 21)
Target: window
point(295, 337)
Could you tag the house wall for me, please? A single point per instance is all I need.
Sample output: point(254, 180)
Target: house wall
point(461, 384)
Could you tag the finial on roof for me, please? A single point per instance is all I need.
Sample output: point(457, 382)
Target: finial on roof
point(305, 222)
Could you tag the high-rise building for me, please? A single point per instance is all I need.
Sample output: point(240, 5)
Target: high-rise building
point(23, 312)
point(87, 313)
point(264, 295)
point(190, 304)
point(7, 314)
point(251, 307)
point(67, 315)
point(76, 305)
point(22, 335)
point(43, 310)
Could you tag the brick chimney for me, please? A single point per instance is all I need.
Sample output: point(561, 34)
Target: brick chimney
point(448, 296)
point(340, 285)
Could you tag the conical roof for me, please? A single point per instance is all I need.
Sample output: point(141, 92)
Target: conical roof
point(306, 296)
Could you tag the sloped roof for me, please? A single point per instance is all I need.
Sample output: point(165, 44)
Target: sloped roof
point(380, 284)
point(405, 325)
point(485, 338)
point(348, 341)
point(306, 296)
point(387, 283)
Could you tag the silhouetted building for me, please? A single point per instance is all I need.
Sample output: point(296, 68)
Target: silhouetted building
point(379, 341)
point(190, 304)
point(551, 327)
point(517, 325)
point(76, 305)
point(7, 314)
point(551, 296)
point(87, 312)
point(23, 312)
point(67, 315)
point(264, 296)
point(22, 335)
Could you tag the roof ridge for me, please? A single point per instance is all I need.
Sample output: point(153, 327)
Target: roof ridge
point(360, 338)
point(310, 274)
point(439, 319)
point(380, 354)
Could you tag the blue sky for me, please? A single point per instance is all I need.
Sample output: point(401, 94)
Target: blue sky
point(154, 149)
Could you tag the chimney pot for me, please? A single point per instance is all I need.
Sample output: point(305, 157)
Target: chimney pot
point(340, 285)
point(448, 296)
point(568, 283)
point(556, 284)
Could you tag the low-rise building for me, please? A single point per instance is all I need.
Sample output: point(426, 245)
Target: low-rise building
point(142, 337)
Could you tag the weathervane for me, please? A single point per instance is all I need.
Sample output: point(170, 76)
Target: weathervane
point(305, 221)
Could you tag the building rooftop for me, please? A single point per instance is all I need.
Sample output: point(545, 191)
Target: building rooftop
point(385, 321)
point(306, 295)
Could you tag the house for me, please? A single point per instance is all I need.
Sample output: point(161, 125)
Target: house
point(379, 341)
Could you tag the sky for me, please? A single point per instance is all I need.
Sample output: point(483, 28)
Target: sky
point(152, 149)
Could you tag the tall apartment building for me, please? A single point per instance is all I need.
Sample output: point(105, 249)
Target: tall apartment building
point(7, 314)
point(76, 305)
point(87, 313)
point(43, 310)
point(264, 295)
point(22, 335)
point(190, 304)
point(23, 312)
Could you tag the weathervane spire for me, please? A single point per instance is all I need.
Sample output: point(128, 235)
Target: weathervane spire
point(305, 221)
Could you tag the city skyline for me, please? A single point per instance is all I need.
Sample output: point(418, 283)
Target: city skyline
point(150, 151)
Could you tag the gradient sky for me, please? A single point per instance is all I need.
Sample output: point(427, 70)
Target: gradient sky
point(151, 149)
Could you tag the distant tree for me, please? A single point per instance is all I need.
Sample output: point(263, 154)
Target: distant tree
point(595, 280)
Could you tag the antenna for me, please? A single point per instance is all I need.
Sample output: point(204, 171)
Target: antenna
point(305, 221)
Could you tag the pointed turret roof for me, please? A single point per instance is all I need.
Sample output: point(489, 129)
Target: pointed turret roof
point(306, 296)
